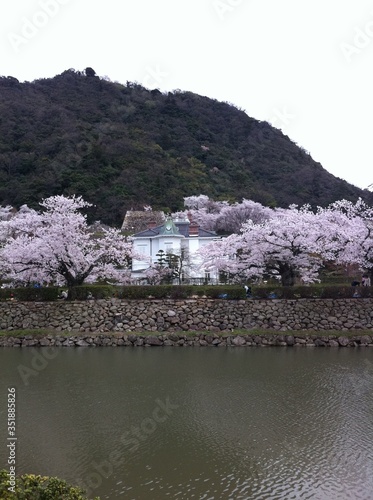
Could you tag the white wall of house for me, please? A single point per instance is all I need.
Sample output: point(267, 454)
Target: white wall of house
point(150, 246)
point(176, 243)
point(142, 246)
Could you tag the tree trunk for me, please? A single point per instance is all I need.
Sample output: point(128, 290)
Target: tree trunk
point(72, 281)
point(287, 275)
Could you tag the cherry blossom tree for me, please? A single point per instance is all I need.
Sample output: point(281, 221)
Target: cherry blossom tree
point(355, 234)
point(6, 214)
point(293, 243)
point(198, 202)
point(225, 256)
point(221, 215)
point(157, 274)
point(202, 210)
point(55, 246)
point(9, 228)
point(231, 217)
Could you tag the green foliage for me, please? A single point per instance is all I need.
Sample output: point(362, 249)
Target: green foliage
point(233, 292)
point(167, 291)
point(182, 291)
point(123, 146)
point(154, 291)
point(95, 291)
point(29, 293)
point(32, 487)
point(320, 291)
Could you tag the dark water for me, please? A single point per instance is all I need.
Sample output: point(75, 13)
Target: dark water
point(195, 423)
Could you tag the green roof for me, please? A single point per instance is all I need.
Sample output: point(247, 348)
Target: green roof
point(169, 228)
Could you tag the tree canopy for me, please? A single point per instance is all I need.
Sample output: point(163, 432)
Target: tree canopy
point(125, 146)
point(295, 243)
point(56, 246)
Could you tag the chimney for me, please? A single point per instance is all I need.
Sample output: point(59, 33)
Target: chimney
point(152, 224)
point(193, 226)
point(193, 229)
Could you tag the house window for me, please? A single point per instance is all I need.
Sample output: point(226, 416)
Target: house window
point(142, 249)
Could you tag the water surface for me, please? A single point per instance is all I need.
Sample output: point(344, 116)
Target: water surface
point(203, 423)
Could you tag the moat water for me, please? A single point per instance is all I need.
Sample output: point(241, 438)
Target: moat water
point(194, 423)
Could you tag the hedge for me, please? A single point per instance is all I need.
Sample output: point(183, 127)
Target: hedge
point(234, 292)
point(32, 487)
point(96, 291)
point(182, 291)
point(29, 293)
point(317, 291)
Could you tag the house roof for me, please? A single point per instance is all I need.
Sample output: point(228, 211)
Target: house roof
point(175, 228)
point(138, 220)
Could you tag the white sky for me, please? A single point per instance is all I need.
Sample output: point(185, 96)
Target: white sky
point(303, 65)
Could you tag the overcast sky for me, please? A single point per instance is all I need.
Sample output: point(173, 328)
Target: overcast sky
point(303, 65)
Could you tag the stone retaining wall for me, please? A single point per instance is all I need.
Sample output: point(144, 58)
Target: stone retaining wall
point(168, 315)
point(178, 339)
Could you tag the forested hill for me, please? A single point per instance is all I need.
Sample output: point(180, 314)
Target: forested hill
point(123, 146)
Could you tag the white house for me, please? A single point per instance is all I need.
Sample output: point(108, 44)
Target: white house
point(180, 237)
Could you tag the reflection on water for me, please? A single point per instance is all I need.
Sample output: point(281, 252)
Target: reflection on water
point(203, 423)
